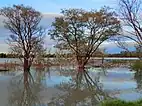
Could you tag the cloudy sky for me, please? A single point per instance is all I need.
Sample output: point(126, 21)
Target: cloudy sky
point(51, 9)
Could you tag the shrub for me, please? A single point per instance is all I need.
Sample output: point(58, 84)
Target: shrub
point(121, 103)
point(137, 66)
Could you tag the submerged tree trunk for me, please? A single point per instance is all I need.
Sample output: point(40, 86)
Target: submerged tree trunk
point(26, 65)
point(80, 67)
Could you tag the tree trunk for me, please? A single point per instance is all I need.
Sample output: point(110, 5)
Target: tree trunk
point(103, 60)
point(26, 78)
point(80, 67)
point(26, 65)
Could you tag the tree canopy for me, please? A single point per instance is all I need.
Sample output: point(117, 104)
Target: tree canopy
point(26, 38)
point(81, 32)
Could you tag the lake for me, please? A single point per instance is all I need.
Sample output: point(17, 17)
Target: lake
point(59, 87)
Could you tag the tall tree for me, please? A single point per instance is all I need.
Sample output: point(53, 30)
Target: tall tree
point(130, 14)
point(26, 39)
point(81, 32)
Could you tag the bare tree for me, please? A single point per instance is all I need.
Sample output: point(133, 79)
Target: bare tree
point(130, 14)
point(26, 39)
point(81, 32)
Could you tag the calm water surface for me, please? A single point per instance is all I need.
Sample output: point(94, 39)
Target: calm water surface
point(2, 60)
point(54, 87)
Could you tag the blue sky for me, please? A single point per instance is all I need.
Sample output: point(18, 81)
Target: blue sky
point(51, 9)
point(54, 6)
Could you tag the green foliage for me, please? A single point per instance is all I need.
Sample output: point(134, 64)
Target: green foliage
point(121, 103)
point(137, 65)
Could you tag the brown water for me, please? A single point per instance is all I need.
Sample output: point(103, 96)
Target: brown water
point(59, 87)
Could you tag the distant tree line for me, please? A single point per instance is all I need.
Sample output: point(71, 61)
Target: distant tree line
point(5, 55)
point(99, 54)
point(8, 55)
point(124, 54)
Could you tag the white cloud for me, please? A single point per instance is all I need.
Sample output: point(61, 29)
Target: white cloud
point(46, 21)
point(4, 48)
point(48, 18)
point(113, 44)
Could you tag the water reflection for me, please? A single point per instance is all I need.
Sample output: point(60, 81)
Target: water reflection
point(137, 68)
point(81, 91)
point(24, 91)
point(29, 89)
point(51, 87)
point(138, 78)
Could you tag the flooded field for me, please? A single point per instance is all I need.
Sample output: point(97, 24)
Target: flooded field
point(59, 87)
point(2, 60)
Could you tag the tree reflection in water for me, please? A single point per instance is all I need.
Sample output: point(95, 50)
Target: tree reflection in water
point(137, 67)
point(24, 91)
point(82, 91)
point(138, 78)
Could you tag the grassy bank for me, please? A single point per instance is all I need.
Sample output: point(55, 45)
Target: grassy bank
point(121, 103)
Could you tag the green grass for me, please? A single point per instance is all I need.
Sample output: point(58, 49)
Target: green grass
point(121, 103)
